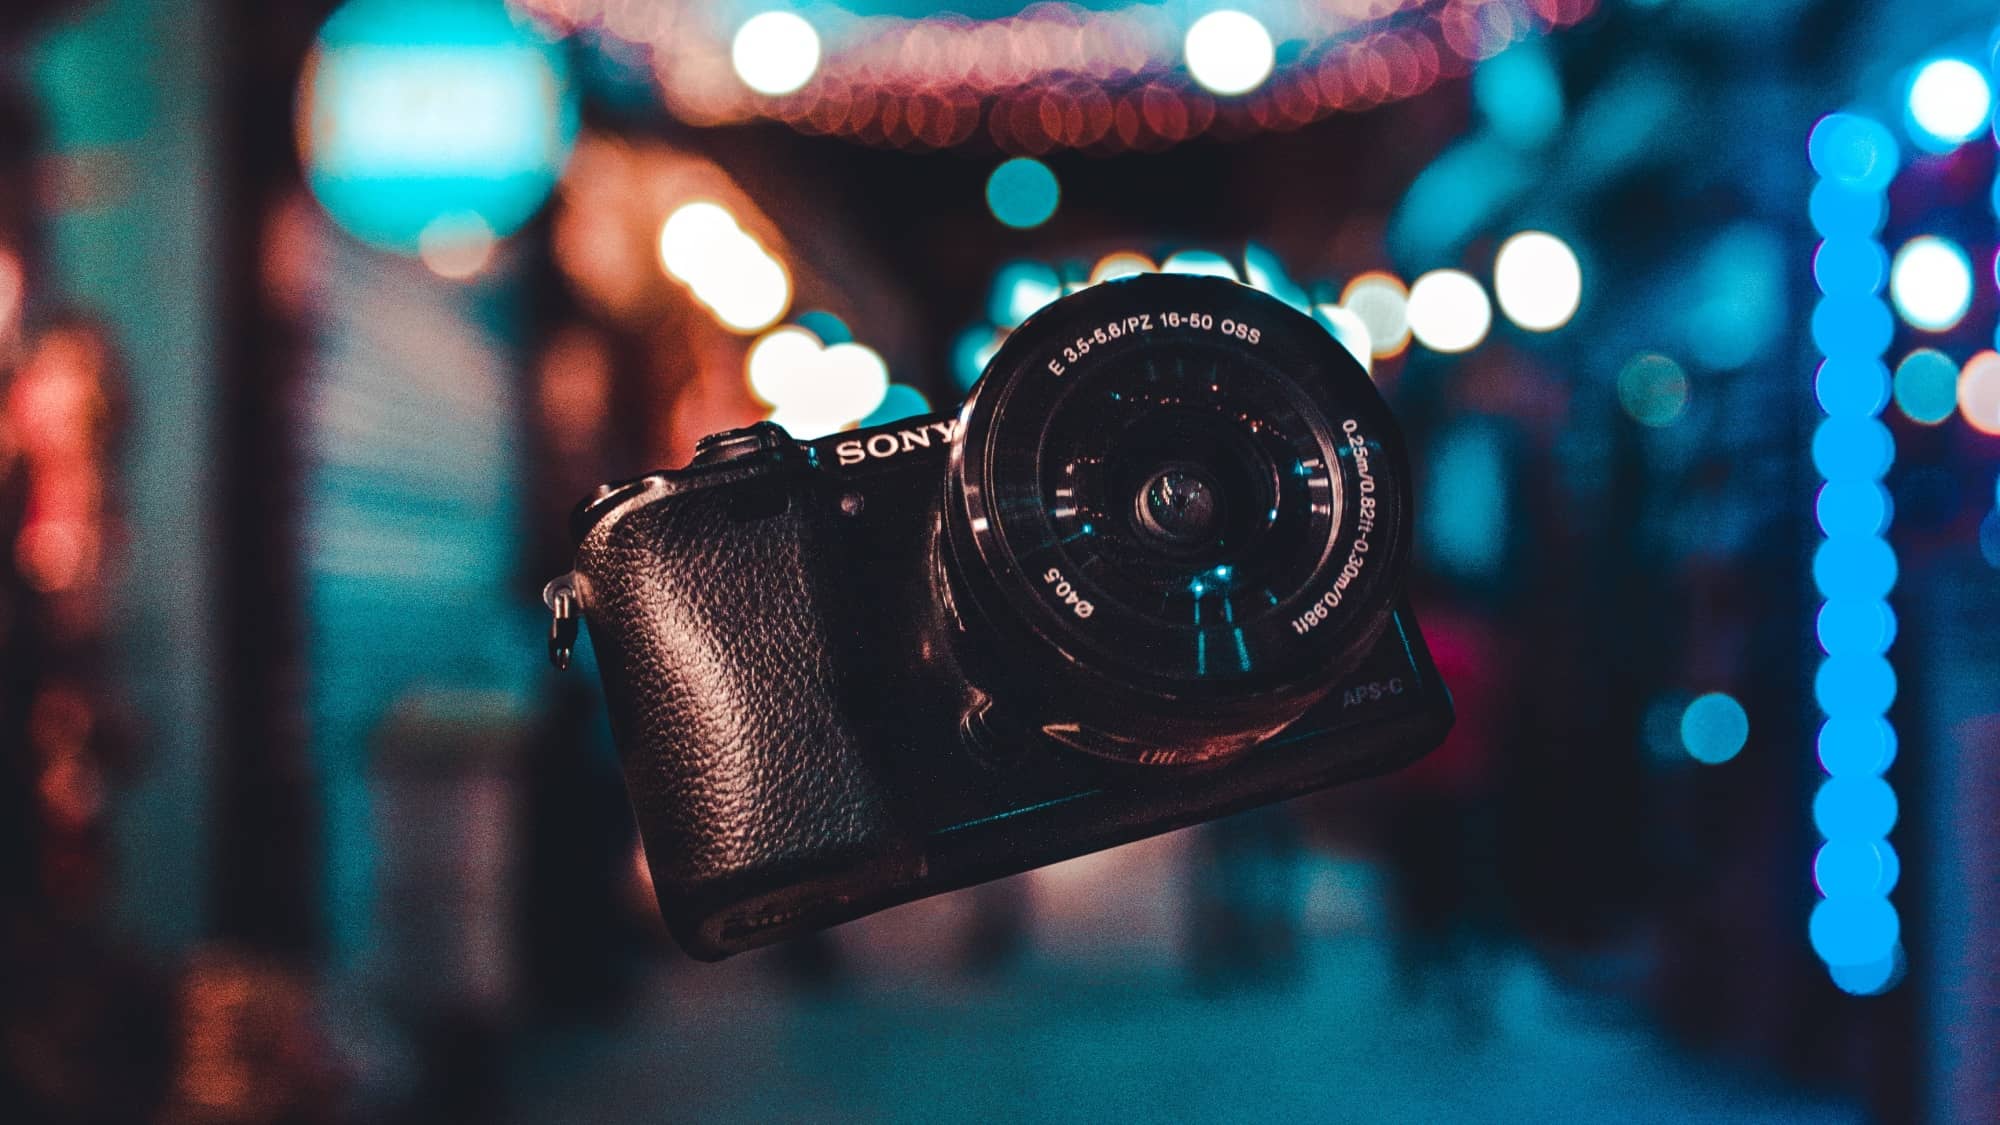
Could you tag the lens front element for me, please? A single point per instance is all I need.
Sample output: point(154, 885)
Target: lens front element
point(1210, 474)
point(1180, 508)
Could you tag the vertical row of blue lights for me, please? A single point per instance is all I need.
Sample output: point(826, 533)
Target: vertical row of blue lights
point(1854, 927)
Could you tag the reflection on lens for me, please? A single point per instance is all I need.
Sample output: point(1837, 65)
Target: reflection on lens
point(1179, 506)
point(1189, 490)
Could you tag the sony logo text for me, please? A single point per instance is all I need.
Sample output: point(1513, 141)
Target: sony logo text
point(875, 446)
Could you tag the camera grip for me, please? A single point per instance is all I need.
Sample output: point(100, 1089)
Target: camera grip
point(711, 616)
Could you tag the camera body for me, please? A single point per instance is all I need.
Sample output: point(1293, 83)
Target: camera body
point(838, 682)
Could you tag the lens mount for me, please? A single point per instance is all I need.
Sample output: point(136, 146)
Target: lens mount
point(1177, 512)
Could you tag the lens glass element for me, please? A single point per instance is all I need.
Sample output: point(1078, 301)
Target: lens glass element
point(1188, 489)
point(1180, 507)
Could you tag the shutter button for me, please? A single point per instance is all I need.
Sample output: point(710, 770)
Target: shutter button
point(729, 445)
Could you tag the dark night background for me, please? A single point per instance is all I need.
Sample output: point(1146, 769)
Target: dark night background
point(316, 320)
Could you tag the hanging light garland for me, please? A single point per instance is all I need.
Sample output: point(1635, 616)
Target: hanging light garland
point(1059, 75)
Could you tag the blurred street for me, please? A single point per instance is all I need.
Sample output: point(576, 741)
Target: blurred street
point(1128, 1035)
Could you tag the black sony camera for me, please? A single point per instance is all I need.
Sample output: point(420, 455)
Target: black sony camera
point(1149, 574)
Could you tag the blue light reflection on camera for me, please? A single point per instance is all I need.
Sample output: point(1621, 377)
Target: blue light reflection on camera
point(1854, 928)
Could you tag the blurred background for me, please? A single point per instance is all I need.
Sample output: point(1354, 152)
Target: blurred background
point(316, 318)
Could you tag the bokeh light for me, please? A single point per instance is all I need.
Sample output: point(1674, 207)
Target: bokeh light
point(1857, 930)
point(456, 246)
point(1229, 52)
point(1023, 193)
point(725, 268)
point(1466, 498)
point(13, 288)
point(1653, 390)
point(1383, 305)
point(775, 356)
point(1020, 289)
point(1854, 566)
point(1854, 684)
point(1739, 308)
point(1520, 93)
point(815, 391)
point(1449, 311)
point(1855, 151)
point(1202, 263)
point(899, 402)
point(1989, 539)
point(1347, 327)
point(1869, 978)
point(1949, 102)
point(1852, 868)
point(1122, 263)
point(1840, 210)
point(1095, 75)
point(1853, 507)
point(1857, 745)
point(1926, 386)
point(1853, 386)
point(1858, 624)
point(1537, 280)
point(1854, 807)
point(1852, 325)
point(1846, 448)
point(829, 328)
point(1263, 272)
point(970, 353)
point(413, 111)
point(1714, 728)
point(1979, 392)
point(1931, 282)
point(775, 52)
point(694, 233)
point(1850, 264)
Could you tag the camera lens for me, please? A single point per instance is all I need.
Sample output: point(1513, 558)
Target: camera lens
point(1176, 516)
point(1179, 507)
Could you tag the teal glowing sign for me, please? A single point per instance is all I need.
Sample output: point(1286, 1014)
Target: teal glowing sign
point(423, 112)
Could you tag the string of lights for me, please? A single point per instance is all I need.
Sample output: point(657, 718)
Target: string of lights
point(1055, 75)
point(1537, 282)
point(1855, 928)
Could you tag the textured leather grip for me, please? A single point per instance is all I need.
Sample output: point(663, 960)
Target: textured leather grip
point(710, 613)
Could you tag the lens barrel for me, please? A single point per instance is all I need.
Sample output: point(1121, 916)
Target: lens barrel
point(1177, 513)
